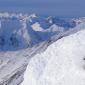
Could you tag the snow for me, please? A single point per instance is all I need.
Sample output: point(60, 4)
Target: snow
point(61, 64)
point(13, 64)
point(22, 36)
point(36, 27)
point(20, 31)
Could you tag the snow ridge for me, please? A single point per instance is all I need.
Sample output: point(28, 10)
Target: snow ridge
point(62, 63)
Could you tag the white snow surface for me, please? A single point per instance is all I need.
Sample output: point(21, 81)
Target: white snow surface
point(63, 63)
point(22, 36)
point(37, 27)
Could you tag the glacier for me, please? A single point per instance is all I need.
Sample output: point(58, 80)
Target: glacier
point(22, 36)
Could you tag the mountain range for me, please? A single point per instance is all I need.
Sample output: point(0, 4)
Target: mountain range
point(22, 36)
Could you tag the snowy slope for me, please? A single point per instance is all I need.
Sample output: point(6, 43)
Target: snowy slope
point(22, 36)
point(63, 63)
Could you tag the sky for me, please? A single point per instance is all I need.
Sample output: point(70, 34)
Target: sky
point(61, 8)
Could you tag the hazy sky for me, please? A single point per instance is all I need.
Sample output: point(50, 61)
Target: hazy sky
point(66, 8)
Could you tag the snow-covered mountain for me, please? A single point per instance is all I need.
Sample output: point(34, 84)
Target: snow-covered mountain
point(63, 63)
point(22, 36)
point(19, 31)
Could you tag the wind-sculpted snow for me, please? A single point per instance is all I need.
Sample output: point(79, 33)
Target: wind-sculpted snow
point(63, 63)
point(22, 36)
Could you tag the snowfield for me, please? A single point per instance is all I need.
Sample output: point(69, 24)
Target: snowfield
point(63, 63)
point(22, 36)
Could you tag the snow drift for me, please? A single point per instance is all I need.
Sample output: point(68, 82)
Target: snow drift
point(63, 63)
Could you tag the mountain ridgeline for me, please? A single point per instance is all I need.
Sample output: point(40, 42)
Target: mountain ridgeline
point(20, 31)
